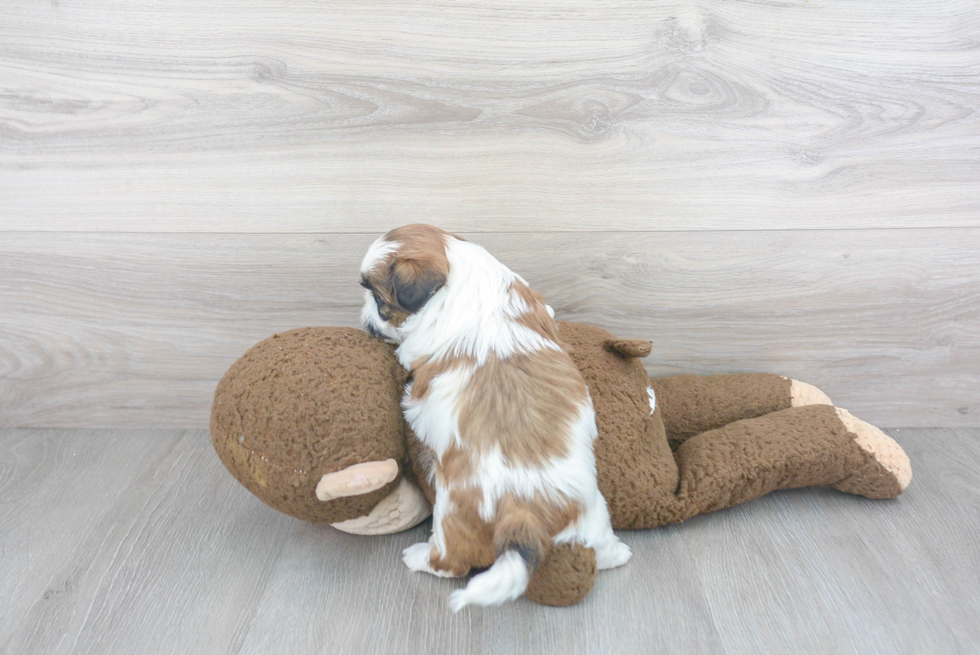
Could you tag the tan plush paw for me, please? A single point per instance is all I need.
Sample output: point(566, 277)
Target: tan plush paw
point(879, 445)
point(357, 479)
point(802, 394)
point(403, 508)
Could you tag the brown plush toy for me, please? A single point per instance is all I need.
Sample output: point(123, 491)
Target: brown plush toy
point(309, 421)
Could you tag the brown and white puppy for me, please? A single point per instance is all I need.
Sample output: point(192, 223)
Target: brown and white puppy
point(500, 403)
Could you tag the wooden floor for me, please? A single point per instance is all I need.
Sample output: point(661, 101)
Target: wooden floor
point(139, 542)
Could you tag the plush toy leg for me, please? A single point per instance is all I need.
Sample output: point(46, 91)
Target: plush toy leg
point(565, 577)
point(795, 447)
point(693, 404)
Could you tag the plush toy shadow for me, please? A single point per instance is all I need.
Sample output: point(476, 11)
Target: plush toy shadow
point(309, 421)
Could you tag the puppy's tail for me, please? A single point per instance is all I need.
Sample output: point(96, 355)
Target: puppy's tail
point(521, 543)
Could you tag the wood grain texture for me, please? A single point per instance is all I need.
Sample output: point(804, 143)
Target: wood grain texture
point(495, 116)
point(136, 330)
point(120, 541)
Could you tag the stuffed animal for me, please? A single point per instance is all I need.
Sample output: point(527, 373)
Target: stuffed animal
point(309, 421)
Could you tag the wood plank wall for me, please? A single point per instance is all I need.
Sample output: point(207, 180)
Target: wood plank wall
point(787, 186)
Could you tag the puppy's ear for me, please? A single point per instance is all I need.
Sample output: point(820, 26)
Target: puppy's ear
point(414, 284)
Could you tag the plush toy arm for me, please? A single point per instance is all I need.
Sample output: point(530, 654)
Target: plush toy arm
point(692, 404)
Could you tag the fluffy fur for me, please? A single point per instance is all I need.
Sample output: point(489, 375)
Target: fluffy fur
point(500, 403)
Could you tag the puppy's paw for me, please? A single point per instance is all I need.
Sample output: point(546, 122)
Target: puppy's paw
point(417, 558)
point(616, 553)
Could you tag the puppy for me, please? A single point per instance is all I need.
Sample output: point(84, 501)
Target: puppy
point(501, 405)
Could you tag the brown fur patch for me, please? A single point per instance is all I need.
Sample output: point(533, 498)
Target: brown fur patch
point(536, 317)
point(524, 404)
point(456, 466)
point(422, 243)
point(469, 539)
point(472, 542)
point(522, 520)
point(424, 371)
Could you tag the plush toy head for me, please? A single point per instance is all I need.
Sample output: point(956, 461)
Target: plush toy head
point(306, 403)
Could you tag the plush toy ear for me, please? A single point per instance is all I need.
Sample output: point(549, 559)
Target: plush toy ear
point(414, 284)
point(628, 347)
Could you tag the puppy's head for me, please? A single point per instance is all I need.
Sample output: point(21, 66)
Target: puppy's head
point(400, 273)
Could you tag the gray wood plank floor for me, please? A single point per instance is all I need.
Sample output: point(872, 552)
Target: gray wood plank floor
point(140, 542)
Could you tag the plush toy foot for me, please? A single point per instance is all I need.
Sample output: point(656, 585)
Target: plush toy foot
point(417, 558)
point(801, 393)
point(886, 471)
point(403, 508)
point(565, 577)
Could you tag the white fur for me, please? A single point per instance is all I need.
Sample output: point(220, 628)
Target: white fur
point(378, 250)
point(505, 580)
point(437, 416)
point(416, 558)
point(473, 315)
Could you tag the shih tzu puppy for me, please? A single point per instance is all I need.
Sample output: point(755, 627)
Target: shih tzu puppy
point(500, 404)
